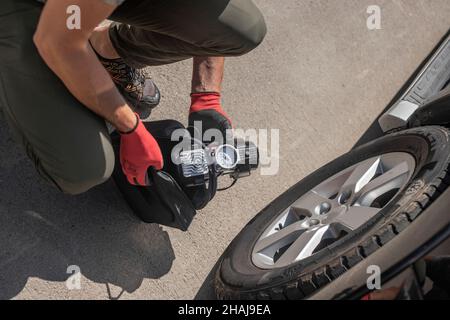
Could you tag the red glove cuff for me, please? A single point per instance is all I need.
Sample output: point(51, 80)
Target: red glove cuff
point(207, 101)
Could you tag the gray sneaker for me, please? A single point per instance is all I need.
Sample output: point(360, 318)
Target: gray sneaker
point(135, 85)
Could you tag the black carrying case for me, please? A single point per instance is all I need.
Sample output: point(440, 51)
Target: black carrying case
point(164, 202)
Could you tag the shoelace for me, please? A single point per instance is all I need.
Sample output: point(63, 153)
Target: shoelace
point(132, 75)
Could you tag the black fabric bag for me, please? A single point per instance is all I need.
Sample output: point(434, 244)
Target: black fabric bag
point(164, 202)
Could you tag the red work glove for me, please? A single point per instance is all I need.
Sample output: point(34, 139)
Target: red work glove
point(139, 151)
point(206, 107)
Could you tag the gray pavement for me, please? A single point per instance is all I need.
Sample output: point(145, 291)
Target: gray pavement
point(320, 77)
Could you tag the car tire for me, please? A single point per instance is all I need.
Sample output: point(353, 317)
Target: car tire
point(237, 276)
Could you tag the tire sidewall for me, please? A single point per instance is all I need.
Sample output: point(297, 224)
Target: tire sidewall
point(237, 269)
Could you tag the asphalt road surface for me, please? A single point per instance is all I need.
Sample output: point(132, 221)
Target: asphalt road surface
point(320, 77)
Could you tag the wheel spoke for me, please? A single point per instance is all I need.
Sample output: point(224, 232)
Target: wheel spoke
point(280, 238)
point(303, 247)
point(356, 216)
point(361, 176)
point(388, 181)
point(308, 203)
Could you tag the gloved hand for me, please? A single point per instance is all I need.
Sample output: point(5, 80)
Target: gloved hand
point(206, 108)
point(139, 151)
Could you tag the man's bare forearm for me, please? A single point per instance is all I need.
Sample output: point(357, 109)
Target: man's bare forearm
point(85, 77)
point(68, 53)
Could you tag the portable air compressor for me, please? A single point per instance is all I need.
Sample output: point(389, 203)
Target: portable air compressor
point(189, 178)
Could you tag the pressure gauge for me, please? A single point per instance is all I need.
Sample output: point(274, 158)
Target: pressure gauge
point(227, 156)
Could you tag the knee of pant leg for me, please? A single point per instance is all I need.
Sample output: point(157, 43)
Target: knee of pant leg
point(254, 37)
point(75, 184)
point(85, 170)
point(247, 25)
point(79, 184)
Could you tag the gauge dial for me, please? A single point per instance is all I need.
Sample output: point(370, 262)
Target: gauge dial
point(227, 156)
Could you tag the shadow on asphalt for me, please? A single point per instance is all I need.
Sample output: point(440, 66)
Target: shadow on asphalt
point(206, 291)
point(42, 231)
